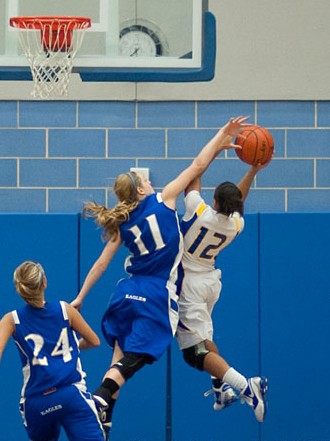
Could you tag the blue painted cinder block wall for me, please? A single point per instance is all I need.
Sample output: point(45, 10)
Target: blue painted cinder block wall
point(55, 155)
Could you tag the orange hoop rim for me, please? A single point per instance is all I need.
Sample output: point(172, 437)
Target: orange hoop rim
point(39, 21)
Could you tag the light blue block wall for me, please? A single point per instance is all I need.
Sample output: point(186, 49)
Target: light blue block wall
point(166, 114)
point(15, 200)
point(286, 113)
point(187, 142)
point(76, 143)
point(323, 173)
point(107, 114)
point(23, 143)
point(55, 154)
point(8, 114)
point(323, 113)
point(8, 173)
point(137, 143)
point(101, 172)
point(72, 200)
point(216, 113)
point(309, 143)
point(47, 114)
point(49, 173)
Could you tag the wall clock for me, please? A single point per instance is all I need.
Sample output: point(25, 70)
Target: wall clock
point(140, 41)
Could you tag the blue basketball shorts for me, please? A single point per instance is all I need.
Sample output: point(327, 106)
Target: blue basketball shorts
point(68, 408)
point(142, 315)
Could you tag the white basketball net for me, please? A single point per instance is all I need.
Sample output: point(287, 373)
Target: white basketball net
point(50, 49)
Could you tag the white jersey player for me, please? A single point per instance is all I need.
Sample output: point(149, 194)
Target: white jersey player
point(207, 230)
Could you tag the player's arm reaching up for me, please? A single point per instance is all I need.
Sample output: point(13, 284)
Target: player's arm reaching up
point(222, 140)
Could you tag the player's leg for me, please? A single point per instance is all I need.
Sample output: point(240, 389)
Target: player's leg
point(201, 358)
point(252, 391)
point(197, 299)
point(115, 377)
point(214, 364)
point(79, 416)
point(106, 394)
point(116, 321)
point(149, 329)
point(195, 332)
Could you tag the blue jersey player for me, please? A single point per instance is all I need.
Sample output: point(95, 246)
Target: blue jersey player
point(54, 391)
point(142, 316)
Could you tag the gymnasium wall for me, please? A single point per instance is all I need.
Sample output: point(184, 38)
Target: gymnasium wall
point(265, 50)
point(54, 155)
point(272, 319)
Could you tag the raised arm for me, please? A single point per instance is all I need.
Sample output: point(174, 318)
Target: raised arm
point(245, 183)
point(7, 328)
point(195, 184)
point(99, 267)
point(221, 141)
point(88, 339)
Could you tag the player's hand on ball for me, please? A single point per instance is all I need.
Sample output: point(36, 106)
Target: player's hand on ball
point(233, 128)
point(257, 145)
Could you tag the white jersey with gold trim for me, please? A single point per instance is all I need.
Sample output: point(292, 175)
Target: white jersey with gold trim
point(206, 233)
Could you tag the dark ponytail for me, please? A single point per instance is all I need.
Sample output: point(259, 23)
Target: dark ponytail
point(228, 198)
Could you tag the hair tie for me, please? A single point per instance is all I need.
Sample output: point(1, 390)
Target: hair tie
point(133, 181)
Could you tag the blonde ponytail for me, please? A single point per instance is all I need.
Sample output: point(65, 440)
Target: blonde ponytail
point(29, 283)
point(110, 219)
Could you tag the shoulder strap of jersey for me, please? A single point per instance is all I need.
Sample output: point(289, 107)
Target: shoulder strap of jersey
point(15, 317)
point(64, 311)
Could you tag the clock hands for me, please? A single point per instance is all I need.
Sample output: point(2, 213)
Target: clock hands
point(135, 53)
point(139, 41)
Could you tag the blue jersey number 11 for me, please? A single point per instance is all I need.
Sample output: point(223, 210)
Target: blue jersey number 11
point(155, 232)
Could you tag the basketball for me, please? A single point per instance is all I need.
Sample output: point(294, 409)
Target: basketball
point(257, 146)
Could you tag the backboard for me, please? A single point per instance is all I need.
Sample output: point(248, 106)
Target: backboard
point(129, 40)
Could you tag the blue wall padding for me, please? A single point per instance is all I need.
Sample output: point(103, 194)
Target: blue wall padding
point(272, 318)
point(295, 328)
point(53, 241)
point(236, 327)
point(146, 392)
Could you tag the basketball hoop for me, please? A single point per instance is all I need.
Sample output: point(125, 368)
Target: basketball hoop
point(50, 45)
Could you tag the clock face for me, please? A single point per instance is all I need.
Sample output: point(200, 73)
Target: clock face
point(139, 41)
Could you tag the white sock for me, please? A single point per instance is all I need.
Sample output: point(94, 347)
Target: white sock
point(235, 379)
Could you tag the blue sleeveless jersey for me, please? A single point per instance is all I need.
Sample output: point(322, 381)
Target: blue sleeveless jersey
point(142, 314)
point(48, 348)
point(152, 235)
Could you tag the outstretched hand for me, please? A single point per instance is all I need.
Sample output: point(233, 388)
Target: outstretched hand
point(232, 129)
point(77, 303)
